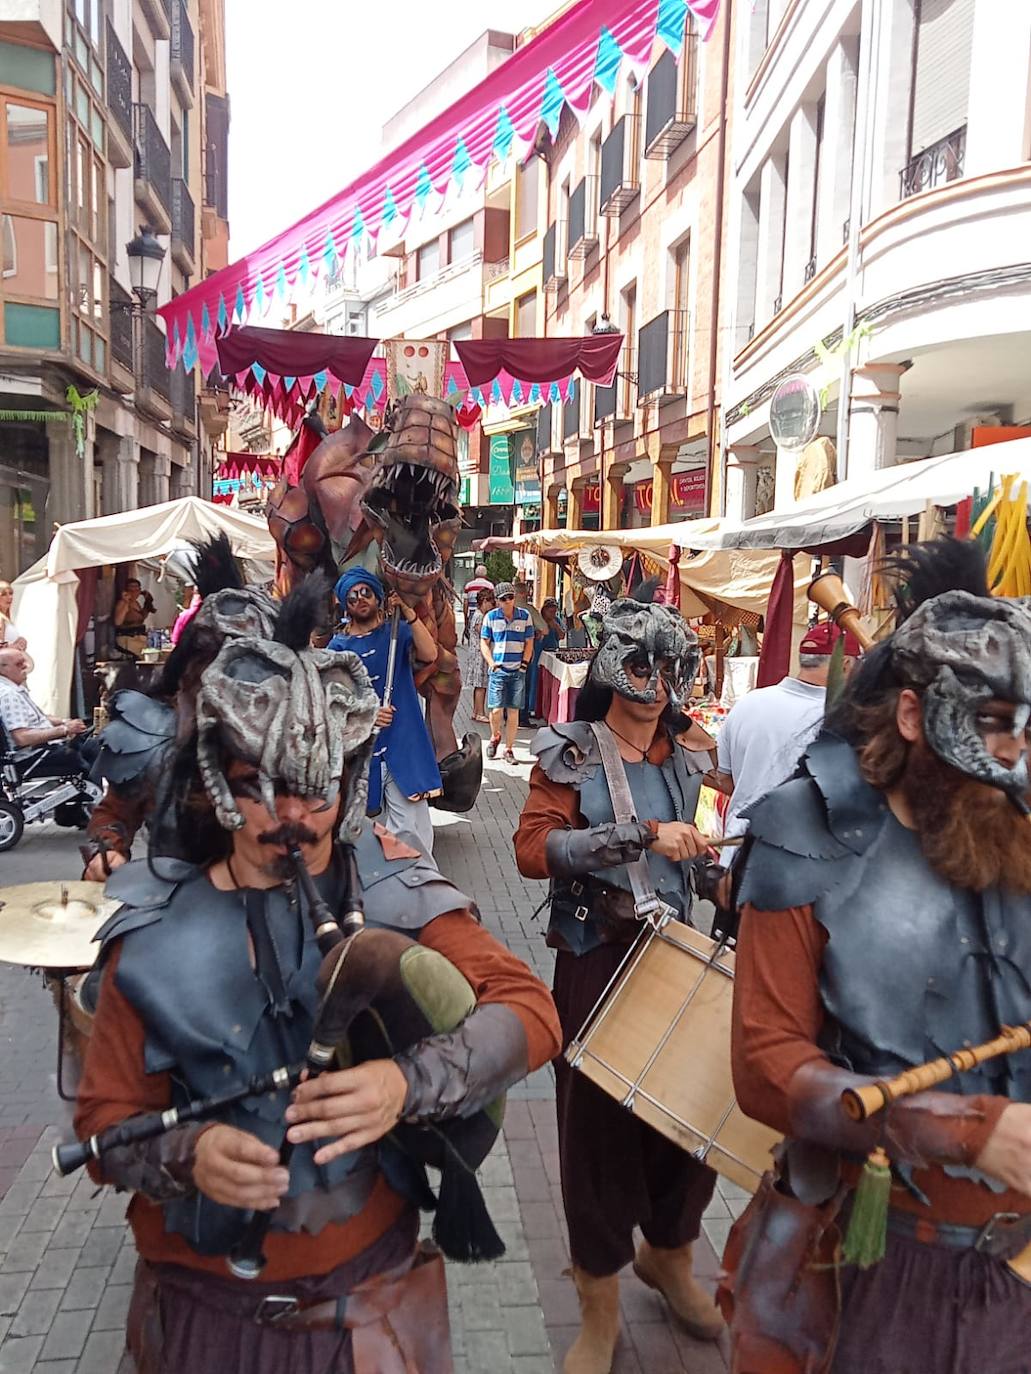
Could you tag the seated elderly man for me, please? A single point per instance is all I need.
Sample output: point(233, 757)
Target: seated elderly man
point(30, 729)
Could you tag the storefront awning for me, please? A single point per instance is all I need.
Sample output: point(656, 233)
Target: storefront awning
point(849, 507)
point(586, 47)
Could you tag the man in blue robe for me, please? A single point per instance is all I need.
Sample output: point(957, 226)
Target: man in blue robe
point(403, 772)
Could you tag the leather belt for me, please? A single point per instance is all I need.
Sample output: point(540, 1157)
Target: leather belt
point(1002, 1237)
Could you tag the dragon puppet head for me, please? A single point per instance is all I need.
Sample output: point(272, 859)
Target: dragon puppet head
point(413, 496)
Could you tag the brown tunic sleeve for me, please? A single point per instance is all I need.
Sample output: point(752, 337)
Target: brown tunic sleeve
point(777, 1019)
point(498, 976)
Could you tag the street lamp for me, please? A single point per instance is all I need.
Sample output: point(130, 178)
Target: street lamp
point(145, 258)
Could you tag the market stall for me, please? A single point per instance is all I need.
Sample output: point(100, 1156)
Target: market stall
point(727, 587)
point(57, 594)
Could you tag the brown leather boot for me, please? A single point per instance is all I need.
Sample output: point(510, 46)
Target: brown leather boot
point(593, 1350)
point(670, 1273)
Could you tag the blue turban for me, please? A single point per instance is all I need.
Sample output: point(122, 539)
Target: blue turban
point(354, 577)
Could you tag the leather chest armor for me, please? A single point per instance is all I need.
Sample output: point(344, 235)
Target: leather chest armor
point(666, 792)
point(213, 1020)
point(914, 966)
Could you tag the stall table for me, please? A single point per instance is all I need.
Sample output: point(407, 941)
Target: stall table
point(558, 686)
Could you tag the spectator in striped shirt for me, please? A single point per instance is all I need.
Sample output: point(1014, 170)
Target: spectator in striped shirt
point(506, 642)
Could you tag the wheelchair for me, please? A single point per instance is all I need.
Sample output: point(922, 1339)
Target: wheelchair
point(29, 792)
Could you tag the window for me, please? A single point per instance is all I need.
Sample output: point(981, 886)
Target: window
point(427, 260)
point(461, 242)
point(528, 178)
point(459, 334)
point(29, 237)
point(526, 316)
point(810, 269)
point(28, 154)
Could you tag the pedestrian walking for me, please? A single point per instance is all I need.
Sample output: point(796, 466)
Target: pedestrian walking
point(485, 602)
point(479, 582)
point(506, 642)
point(403, 772)
point(886, 904)
point(617, 1172)
point(767, 731)
point(209, 979)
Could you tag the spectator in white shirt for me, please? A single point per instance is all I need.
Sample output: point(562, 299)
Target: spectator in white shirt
point(29, 728)
point(768, 731)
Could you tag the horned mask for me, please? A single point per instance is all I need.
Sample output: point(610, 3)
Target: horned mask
point(657, 640)
point(299, 716)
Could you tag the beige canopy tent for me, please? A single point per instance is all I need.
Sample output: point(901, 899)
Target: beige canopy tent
point(739, 577)
point(45, 606)
point(849, 507)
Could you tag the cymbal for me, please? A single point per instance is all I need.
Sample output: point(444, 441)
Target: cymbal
point(52, 925)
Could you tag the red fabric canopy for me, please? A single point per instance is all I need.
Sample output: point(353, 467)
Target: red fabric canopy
point(290, 353)
point(541, 360)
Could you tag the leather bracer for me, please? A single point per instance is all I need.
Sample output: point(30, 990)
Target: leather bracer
point(160, 1168)
point(571, 853)
point(461, 1071)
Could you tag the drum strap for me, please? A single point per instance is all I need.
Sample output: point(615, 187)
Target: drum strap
point(648, 906)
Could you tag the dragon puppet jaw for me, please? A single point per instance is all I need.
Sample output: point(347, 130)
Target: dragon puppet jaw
point(414, 494)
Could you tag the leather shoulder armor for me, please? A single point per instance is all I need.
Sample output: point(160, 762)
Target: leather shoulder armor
point(145, 888)
point(810, 836)
point(568, 752)
point(141, 729)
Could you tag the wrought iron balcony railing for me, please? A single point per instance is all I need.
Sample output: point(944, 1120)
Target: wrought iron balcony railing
point(940, 163)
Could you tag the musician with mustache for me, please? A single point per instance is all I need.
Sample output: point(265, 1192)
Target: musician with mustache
point(886, 922)
point(209, 978)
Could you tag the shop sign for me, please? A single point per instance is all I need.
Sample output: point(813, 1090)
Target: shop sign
point(500, 489)
point(464, 491)
point(686, 494)
point(523, 446)
point(591, 502)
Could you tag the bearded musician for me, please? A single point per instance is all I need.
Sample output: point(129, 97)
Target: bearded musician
point(209, 978)
point(887, 922)
point(631, 737)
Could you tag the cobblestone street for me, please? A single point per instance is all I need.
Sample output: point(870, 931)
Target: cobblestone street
point(67, 1259)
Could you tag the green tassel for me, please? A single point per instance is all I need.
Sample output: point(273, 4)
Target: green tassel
point(867, 1237)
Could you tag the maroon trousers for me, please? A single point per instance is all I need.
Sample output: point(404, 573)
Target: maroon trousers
point(617, 1172)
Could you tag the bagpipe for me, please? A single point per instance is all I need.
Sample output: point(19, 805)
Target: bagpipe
point(380, 993)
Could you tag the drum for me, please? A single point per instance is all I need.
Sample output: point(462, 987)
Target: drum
point(658, 1041)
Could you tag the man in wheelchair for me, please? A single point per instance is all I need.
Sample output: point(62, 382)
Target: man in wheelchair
point(40, 747)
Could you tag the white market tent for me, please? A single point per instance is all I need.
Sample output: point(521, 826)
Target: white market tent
point(45, 606)
point(889, 494)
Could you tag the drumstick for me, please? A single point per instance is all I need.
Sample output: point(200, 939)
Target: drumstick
point(730, 842)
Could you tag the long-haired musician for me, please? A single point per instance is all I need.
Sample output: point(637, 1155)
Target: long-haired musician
point(618, 1172)
point(887, 922)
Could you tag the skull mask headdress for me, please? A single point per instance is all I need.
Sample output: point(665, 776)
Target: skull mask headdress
point(300, 716)
point(657, 641)
point(961, 651)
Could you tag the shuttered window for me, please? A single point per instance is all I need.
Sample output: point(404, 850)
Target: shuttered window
point(941, 83)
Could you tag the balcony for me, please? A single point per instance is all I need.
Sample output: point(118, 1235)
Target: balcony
point(672, 110)
point(184, 230)
point(495, 271)
point(119, 102)
point(555, 256)
point(159, 16)
point(583, 220)
point(620, 174)
point(154, 381)
point(182, 58)
point(184, 402)
point(121, 334)
point(153, 171)
point(940, 163)
point(662, 348)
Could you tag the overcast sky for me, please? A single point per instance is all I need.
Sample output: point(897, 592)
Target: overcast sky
point(311, 83)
